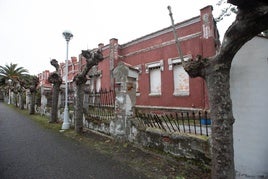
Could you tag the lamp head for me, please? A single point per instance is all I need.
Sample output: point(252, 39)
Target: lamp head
point(67, 35)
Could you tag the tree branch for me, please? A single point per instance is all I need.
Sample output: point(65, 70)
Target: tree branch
point(196, 68)
point(245, 4)
point(55, 63)
point(250, 21)
point(92, 58)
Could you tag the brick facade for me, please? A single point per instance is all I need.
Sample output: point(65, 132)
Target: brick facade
point(198, 36)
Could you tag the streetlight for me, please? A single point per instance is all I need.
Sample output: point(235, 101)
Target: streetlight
point(66, 124)
point(9, 91)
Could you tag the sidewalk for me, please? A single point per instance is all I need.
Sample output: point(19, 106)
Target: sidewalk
point(49, 154)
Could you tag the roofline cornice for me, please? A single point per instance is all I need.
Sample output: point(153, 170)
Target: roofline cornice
point(162, 31)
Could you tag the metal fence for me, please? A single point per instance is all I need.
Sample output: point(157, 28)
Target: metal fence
point(193, 122)
point(100, 105)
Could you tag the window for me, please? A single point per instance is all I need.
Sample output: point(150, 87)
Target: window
point(154, 69)
point(138, 68)
point(91, 84)
point(95, 79)
point(155, 81)
point(95, 83)
point(181, 81)
point(98, 83)
point(180, 77)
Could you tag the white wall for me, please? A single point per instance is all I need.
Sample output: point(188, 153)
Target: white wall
point(249, 93)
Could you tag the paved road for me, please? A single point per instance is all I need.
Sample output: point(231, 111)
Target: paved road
point(29, 151)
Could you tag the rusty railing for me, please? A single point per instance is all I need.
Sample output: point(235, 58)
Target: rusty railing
point(193, 122)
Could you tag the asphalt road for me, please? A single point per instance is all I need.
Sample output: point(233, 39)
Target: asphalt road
point(29, 151)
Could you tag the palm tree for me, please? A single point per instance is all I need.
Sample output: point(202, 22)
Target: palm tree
point(14, 73)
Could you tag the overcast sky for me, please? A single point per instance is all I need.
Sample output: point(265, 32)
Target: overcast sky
point(31, 30)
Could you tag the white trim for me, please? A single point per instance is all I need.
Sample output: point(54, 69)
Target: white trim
point(161, 32)
point(159, 64)
point(139, 68)
point(177, 60)
point(155, 94)
point(182, 93)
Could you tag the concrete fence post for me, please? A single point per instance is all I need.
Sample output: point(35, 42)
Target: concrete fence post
point(125, 90)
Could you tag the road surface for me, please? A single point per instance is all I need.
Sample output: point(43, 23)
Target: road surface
point(29, 151)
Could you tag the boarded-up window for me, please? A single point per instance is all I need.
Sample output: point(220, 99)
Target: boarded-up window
point(181, 81)
point(154, 69)
point(155, 81)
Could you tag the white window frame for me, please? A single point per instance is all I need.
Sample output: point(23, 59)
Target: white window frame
point(152, 66)
point(159, 64)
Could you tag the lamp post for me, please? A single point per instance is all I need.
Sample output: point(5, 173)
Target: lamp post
point(9, 91)
point(66, 124)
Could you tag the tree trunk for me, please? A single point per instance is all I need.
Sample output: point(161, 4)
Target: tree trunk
point(16, 99)
point(56, 80)
point(21, 105)
point(33, 88)
point(222, 124)
point(93, 58)
point(54, 106)
point(32, 103)
point(79, 108)
point(250, 21)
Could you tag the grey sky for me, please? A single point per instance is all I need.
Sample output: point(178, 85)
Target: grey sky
point(31, 30)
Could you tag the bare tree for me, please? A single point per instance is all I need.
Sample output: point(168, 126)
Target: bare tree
point(21, 90)
point(33, 83)
point(226, 9)
point(92, 59)
point(251, 19)
point(56, 80)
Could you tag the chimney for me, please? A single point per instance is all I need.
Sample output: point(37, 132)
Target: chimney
point(74, 59)
point(210, 38)
point(100, 46)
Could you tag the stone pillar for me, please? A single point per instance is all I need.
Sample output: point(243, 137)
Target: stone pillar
point(125, 87)
point(28, 98)
point(113, 57)
point(43, 101)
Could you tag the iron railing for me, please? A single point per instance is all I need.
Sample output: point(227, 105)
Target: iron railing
point(193, 122)
point(100, 105)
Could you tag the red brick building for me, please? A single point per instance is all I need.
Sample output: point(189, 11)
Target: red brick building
point(162, 82)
